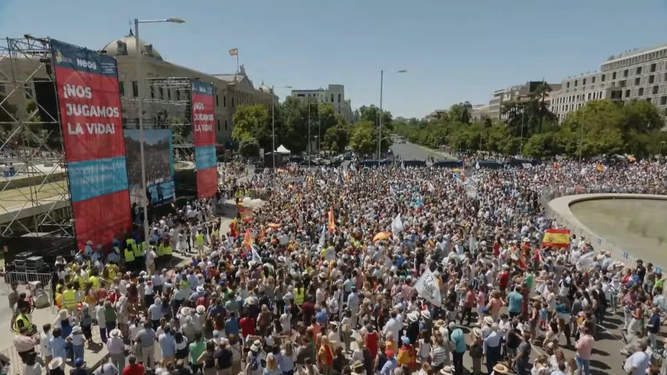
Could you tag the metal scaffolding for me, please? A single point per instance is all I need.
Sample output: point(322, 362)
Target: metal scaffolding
point(167, 105)
point(34, 191)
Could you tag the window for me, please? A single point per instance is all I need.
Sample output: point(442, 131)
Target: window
point(332, 98)
point(622, 83)
point(225, 125)
point(232, 102)
point(576, 83)
point(217, 104)
point(627, 93)
point(161, 91)
point(218, 125)
point(655, 90)
point(613, 75)
point(584, 82)
point(152, 92)
point(168, 94)
point(593, 79)
point(651, 79)
point(224, 103)
point(663, 100)
point(589, 96)
point(135, 89)
point(568, 84)
point(653, 68)
point(339, 96)
point(648, 100)
point(637, 81)
point(639, 70)
point(640, 92)
point(28, 91)
point(121, 88)
point(178, 94)
point(603, 77)
point(625, 73)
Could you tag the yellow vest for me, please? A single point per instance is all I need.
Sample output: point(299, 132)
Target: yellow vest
point(299, 295)
point(129, 255)
point(199, 239)
point(69, 298)
point(167, 250)
point(160, 250)
point(26, 322)
point(95, 281)
point(139, 249)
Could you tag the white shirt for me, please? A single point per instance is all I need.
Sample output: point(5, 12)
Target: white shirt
point(394, 326)
point(639, 361)
point(45, 344)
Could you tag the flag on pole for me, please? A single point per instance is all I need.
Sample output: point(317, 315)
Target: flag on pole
point(556, 238)
point(247, 241)
point(332, 223)
point(234, 52)
point(428, 289)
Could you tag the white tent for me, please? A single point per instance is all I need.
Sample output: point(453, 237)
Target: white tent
point(282, 150)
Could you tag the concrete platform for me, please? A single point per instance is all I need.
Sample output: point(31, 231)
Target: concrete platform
point(32, 200)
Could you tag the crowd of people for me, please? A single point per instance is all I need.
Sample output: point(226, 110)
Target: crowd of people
point(389, 271)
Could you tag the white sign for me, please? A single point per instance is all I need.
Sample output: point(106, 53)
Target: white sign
point(428, 288)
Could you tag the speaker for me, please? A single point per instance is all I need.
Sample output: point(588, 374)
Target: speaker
point(45, 96)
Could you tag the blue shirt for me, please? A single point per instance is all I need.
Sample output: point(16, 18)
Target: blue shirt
point(167, 344)
point(232, 327)
point(514, 300)
point(459, 340)
point(389, 366)
point(58, 347)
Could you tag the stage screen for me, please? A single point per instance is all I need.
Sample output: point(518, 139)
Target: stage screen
point(158, 151)
point(90, 116)
point(203, 122)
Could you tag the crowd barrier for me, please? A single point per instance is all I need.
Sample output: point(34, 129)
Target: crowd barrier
point(599, 244)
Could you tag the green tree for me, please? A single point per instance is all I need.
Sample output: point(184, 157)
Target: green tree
point(249, 147)
point(252, 121)
point(371, 114)
point(336, 138)
point(362, 139)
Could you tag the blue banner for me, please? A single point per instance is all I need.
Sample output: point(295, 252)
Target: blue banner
point(92, 178)
point(205, 157)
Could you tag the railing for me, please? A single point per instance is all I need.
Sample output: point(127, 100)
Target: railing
point(598, 243)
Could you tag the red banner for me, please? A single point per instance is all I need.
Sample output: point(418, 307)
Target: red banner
point(90, 114)
point(203, 123)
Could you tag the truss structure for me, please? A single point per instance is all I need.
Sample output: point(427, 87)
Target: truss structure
point(34, 190)
point(166, 105)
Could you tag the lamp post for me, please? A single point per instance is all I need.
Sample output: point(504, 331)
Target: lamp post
point(273, 123)
point(380, 113)
point(140, 108)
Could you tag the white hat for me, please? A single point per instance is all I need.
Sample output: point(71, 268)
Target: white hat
point(200, 289)
point(115, 332)
point(201, 309)
point(488, 320)
point(76, 329)
point(413, 316)
point(256, 345)
point(447, 370)
point(55, 363)
point(426, 314)
point(185, 311)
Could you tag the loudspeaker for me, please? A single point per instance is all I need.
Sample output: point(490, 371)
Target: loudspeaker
point(45, 96)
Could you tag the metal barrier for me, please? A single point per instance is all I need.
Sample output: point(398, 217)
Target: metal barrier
point(24, 278)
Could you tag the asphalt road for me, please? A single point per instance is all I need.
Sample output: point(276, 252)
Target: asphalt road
point(410, 151)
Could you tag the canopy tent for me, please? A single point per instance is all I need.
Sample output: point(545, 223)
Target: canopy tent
point(282, 150)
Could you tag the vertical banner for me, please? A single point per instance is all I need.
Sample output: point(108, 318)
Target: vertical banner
point(203, 121)
point(159, 154)
point(90, 115)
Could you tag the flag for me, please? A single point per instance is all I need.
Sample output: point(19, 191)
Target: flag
point(323, 238)
point(246, 214)
point(233, 228)
point(556, 238)
point(247, 241)
point(600, 168)
point(428, 289)
point(234, 52)
point(332, 223)
point(397, 225)
point(255, 254)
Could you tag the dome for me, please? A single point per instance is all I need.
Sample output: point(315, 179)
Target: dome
point(264, 88)
point(126, 47)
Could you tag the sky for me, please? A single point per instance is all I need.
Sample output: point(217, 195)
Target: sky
point(453, 50)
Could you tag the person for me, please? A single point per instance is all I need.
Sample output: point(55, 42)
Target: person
point(197, 348)
point(256, 359)
point(116, 348)
point(32, 366)
point(133, 368)
point(584, 349)
point(106, 369)
point(24, 344)
point(167, 345)
point(223, 359)
point(56, 366)
point(639, 361)
point(58, 346)
point(458, 339)
point(77, 340)
point(79, 367)
point(145, 337)
point(271, 366)
point(523, 355)
point(45, 343)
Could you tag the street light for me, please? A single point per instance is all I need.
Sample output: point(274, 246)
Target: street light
point(380, 114)
point(140, 107)
point(273, 122)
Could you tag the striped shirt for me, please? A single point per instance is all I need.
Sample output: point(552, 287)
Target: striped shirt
point(440, 355)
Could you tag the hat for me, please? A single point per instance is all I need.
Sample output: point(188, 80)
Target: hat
point(477, 332)
point(78, 362)
point(488, 320)
point(201, 309)
point(256, 345)
point(405, 340)
point(64, 314)
point(76, 329)
point(185, 311)
point(200, 289)
point(114, 332)
point(439, 323)
point(426, 314)
point(413, 316)
point(357, 366)
point(447, 370)
point(500, 369)
point(55, 363)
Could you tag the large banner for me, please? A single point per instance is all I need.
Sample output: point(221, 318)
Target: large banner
point(159, 156)
point(90, 114)
point(203, 122)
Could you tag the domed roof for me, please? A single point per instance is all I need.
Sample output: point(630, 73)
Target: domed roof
point(264, 88)
point(126, 47)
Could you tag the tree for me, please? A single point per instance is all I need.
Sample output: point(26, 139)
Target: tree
point(371, 114)
point(252, 121)
point(248, 147)
point(362, 139)
point(337, 137)
point(460, 112)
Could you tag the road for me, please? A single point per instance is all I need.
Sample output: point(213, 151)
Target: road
point(411, 151)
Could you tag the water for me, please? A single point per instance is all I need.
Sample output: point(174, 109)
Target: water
point(634, 225)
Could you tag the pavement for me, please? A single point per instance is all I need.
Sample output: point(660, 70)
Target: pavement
point(411, 151)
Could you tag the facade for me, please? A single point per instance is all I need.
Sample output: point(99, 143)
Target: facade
point(632, 75)
point(333, 94)
point(480, 112)
point(164, 100)
point(500, 96)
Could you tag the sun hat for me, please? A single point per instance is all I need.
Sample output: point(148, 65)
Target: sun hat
point(500, 369)
point(114, 332)
point(256, 345)
point(488, 320)
point(201, 309)
point(55, 363)
point(447, 370)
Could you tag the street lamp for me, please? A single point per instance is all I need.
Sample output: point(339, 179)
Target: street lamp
point(140, 108)
point(273, 122)
point(380, 114)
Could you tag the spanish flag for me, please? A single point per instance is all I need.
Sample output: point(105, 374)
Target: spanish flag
point(556, 238)
point(247, 241)
point(246, 214)
point(234, 228)
point(234, 52)
point(332, 223)
point(600, 168)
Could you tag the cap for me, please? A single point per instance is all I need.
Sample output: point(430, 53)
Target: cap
point(78, 362)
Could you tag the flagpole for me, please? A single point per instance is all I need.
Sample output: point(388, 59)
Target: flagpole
point(237, 62)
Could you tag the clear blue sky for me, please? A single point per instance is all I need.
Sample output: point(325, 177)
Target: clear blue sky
point(454, 50)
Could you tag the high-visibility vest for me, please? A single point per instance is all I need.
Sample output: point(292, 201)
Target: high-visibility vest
point(299, 296)
point(199, 239)
point(112, 271)
point(167, 249)
point(160, 250)
point(129, 255)
point(95, 281)
point(69, 298)
point(25, 320)
point(139, 249)
point(131, 244)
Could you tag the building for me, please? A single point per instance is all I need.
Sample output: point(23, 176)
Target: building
point(167, 99)
point(499, 96)
point(479, 112)
point(333, 94)
point(632, 75)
